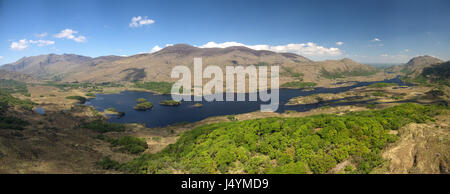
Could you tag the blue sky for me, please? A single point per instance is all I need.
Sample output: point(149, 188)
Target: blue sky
point(371, 31)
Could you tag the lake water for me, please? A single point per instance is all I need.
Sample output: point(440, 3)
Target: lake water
point(39, 110)
point(160, 116)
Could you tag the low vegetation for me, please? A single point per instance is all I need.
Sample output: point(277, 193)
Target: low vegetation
point(130, 144)
point(111, 109)
point(143, 106)
point(108, 164)
point(159, 87)
point(7, 101)
point(9, 122)
point(298, 85)
point(170, 103)
point(80, 99)
point(141, 100)
point(438, 74)
point(342, 74)
point(289, 72)
point(90, 94)
point(313, 144)
point(90, 87)
point(103, 127)
point(382, 85)
point(12, 86)
point(262, 64)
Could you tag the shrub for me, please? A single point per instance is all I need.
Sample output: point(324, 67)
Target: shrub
point(143, 106)
point(108, 164)
point(382, 85)
point(103, 127)
point(170, 103)
point(141, 100)
point(6, 101)
point(13, 86)
point(160, 87)
point(12, 123)
point(130, 144)
point(231, 117)
point(80, 99)
point(298, 85)
point(285, 145)
point(111, 109)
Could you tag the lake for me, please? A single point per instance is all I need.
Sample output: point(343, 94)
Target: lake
point(160, 116)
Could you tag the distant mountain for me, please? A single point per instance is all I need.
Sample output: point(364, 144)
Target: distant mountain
point(417, 64)
point(53, 65)
point(344, 66)
point(157, 66)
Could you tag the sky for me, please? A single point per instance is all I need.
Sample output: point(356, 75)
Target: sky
point(368, 31)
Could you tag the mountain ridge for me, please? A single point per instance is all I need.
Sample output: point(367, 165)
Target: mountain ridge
point(157, 66)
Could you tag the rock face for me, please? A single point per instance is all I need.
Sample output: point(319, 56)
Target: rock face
point(421, 148)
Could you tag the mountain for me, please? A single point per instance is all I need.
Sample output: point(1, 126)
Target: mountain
point(158, 66)
point(417, 64)
point(10, 75)
point(437, 73)
point(54, 65)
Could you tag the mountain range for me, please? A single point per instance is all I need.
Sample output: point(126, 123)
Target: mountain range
point(157, 66)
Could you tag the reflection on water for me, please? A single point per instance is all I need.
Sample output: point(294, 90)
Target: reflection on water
point(160, 116)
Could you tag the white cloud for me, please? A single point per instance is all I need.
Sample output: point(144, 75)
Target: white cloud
point(155, 49)
point(42, 42)
point(20, 45)
point(376, 40)
point(69, 34)
point(1, 57)
point(42, 35)
point(24, 44)
point(140, 21)
point(307, 49)
point(339, 43)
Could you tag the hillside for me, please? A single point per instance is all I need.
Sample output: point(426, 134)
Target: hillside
point(415, 66)
point(157, 66)
point(10, 75)
point(437, 73)
point(53, 66)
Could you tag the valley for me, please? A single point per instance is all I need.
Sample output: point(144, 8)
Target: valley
point(349, 118)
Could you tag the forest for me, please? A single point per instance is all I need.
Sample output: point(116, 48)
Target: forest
point(313, 144)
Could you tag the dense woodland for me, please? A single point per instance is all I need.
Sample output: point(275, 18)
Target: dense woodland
point(313, 144)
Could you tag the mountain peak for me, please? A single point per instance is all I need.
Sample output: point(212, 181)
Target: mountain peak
point(421, 61)
point(424, 59)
